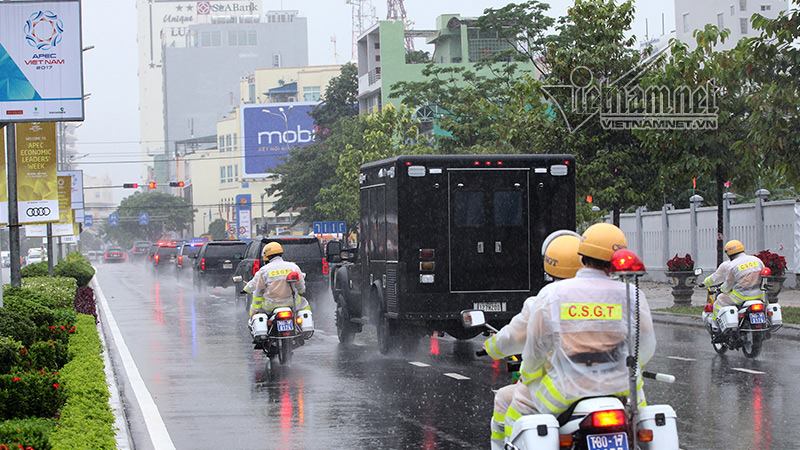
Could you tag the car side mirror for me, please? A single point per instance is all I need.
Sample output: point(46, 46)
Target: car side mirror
point(472, 318)
point(333, 252)
point(698, 272)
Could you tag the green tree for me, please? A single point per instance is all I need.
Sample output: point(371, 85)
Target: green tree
point(168, 213)
point(218, 229)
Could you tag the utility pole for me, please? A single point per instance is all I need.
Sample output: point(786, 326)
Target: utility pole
point(13, 213)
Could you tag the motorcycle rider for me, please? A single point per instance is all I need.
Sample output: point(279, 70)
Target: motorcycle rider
point(740, 277)
point(269, 286)
point(577, 341)
point(561, 261)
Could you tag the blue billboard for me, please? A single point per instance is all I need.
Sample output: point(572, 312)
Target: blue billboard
point(270, 131)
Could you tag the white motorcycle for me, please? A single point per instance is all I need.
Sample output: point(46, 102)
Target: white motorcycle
point(597, 423)
point(746, 326)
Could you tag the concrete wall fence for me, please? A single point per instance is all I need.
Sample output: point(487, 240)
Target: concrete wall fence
point(660, 235)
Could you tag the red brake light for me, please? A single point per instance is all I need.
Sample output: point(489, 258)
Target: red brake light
point(408, 163)
point(757, 307)
point(607, 419)
point(156, 259)
point(326, 268)
point(256, 266)
point(708, 308)
point(283, 315)
point(625, 260)
point(488, 163)
point(202, 264)
point(566, 162)
point(476, 163)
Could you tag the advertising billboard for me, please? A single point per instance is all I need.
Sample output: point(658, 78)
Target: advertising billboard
point(244, 217)
point(77, 192)
point(66, 217)
point(41, 70)
point(37, 190)
point(270, 131)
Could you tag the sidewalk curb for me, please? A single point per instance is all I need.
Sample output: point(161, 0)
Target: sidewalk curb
point(123, 434)
point(789, 332)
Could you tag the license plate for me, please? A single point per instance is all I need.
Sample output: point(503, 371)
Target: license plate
point(490, 306)
point(756, 318)
point(227, 265)
point(611, 441)
point(285, 325)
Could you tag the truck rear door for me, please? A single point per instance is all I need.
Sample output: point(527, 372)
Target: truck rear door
point(489, 233)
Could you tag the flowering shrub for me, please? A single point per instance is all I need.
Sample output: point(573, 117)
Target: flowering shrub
point(30, 394)
point(77, 267)
point(9, 354)
point(28, 434)
point(54, 292)
point(17, 326)
point(678, 264)
point(34, 270)
point(49, 355)
point(775, 262)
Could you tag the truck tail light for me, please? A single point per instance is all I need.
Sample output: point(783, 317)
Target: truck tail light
point(256, 266)
point(202, 264)
point(326, 269)
point(427, 266)
point(427, 254)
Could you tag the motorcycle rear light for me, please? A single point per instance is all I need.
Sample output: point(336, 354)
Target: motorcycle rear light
point(299, 320)
point(256, 266)
point(283, 315)
point(427, 266)
point(645, 435)
point(708, 308)
point(565, 440)
point(758, 307)
point(427, 254)
point(326, 269)
point(608, 419)
point(202, 264)
point(156, 259)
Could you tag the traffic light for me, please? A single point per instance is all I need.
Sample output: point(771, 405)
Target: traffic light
point(131, 185)
point(178, 184)
point(151, 185)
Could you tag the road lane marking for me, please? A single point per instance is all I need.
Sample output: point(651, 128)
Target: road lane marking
point(754, 372)
point(681, 358)
point(159, 435)
point(456, 376)
point(419, 364)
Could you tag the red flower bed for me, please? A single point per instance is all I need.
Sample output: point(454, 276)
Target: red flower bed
point(678, 264)
point(84, 301)
point(774, 261)
point(30, 394)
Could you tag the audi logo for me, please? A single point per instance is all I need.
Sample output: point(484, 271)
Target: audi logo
point(38, 212)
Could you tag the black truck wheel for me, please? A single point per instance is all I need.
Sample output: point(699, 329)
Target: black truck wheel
point(345, 329)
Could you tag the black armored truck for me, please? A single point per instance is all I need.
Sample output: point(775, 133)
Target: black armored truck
point(439, 234)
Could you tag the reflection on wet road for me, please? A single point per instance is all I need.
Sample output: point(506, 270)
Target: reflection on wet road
point(213, 391)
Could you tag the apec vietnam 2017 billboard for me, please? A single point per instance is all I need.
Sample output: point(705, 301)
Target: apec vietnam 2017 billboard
point(271, 131)
point(41, 70)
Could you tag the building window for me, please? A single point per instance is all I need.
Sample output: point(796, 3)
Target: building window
point(743, 25)
point(252, 38)
point(686, 22)
point(228, 142)
point(222, 174)
point(733, 10)
point(221, 143)
point(234, 143)
point(236, 172)
point(276, 60)
point(721, 21)
point(766, 7)
point(742, 5)
point(210, 39)
point(311, 93)
point(251, 92)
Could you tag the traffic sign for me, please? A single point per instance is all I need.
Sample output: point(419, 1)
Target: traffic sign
point(330, 227)
point(113, 219)
point(144, 218)
point(88, 220)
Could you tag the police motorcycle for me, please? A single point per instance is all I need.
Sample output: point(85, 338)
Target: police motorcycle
point(604, 422)
point(278, 333)
point(746, 326)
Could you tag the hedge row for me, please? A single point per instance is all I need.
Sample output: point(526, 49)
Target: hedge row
point(86, 419)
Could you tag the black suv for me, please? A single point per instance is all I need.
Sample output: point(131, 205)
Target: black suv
point(304, 251)
point(216, 262)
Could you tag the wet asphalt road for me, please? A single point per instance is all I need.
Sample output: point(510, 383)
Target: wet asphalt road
point(214, 392)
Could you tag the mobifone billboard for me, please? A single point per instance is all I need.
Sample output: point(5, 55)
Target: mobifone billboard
point(271, 131)
point(41, 71)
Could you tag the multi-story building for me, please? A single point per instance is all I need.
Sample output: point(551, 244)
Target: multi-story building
point(215, 174)
point(99, 203)
point(202, 74)
point(735, 15)
point(383, 60)
point(165, 24)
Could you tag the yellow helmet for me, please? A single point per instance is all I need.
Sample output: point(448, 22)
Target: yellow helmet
point(601, 240)
point(560, 254)
point(734, 247)
point(272, 249)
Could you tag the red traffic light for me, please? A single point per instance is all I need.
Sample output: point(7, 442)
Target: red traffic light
point(178, 184)
point(151, 185)
point(131, 185)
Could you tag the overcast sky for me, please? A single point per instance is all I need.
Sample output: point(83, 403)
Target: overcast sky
point(111, 129)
